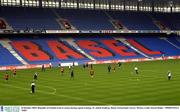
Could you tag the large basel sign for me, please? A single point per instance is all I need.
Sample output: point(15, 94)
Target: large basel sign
point(32, 51)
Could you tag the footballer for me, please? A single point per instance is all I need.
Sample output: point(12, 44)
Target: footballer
point(136, 70)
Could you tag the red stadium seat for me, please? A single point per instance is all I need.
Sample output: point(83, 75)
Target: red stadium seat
point(2, 24)
point(118, 25)
point(66, 24)
point(161, 25)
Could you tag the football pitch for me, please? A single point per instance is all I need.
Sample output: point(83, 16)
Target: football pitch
point(122, 87)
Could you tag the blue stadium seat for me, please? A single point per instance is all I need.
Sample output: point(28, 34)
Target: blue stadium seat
point(149, 42)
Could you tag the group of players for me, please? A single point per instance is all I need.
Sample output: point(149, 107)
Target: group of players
point(71, 69)
point(6, 76)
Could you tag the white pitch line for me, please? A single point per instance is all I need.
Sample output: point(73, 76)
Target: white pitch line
point(50, 88)
point(54, 93)
point(66, 96)
point(27, 89)
point(54, 89)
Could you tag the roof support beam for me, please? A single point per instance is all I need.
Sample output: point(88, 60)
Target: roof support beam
point(152, 5)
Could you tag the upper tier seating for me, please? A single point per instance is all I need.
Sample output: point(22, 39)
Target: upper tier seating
point(172, 21)
point(38, 18)
point(134, 20)
point(87, 19)
point(30, 18)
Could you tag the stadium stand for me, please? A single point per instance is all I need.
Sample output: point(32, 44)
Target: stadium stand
point(66, 25)
point(81, 50)
point(30, 18)
point(6, 57)
point(88, 22)
point(38, 18)
point(2, 24)
point(161, 25)
point(118, 25)
point(134, 20)
point(172, 21)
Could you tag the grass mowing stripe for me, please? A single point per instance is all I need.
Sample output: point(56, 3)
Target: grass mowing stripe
point(117, 88)
point(61, 95)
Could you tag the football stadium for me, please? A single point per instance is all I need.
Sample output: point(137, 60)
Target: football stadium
point(90, 52)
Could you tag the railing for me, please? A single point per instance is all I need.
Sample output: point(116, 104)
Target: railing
point(31, 31)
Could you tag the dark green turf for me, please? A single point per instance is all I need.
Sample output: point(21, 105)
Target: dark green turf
point(122, 87)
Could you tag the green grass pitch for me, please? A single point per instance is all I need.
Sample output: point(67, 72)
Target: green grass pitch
point(122, 87)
